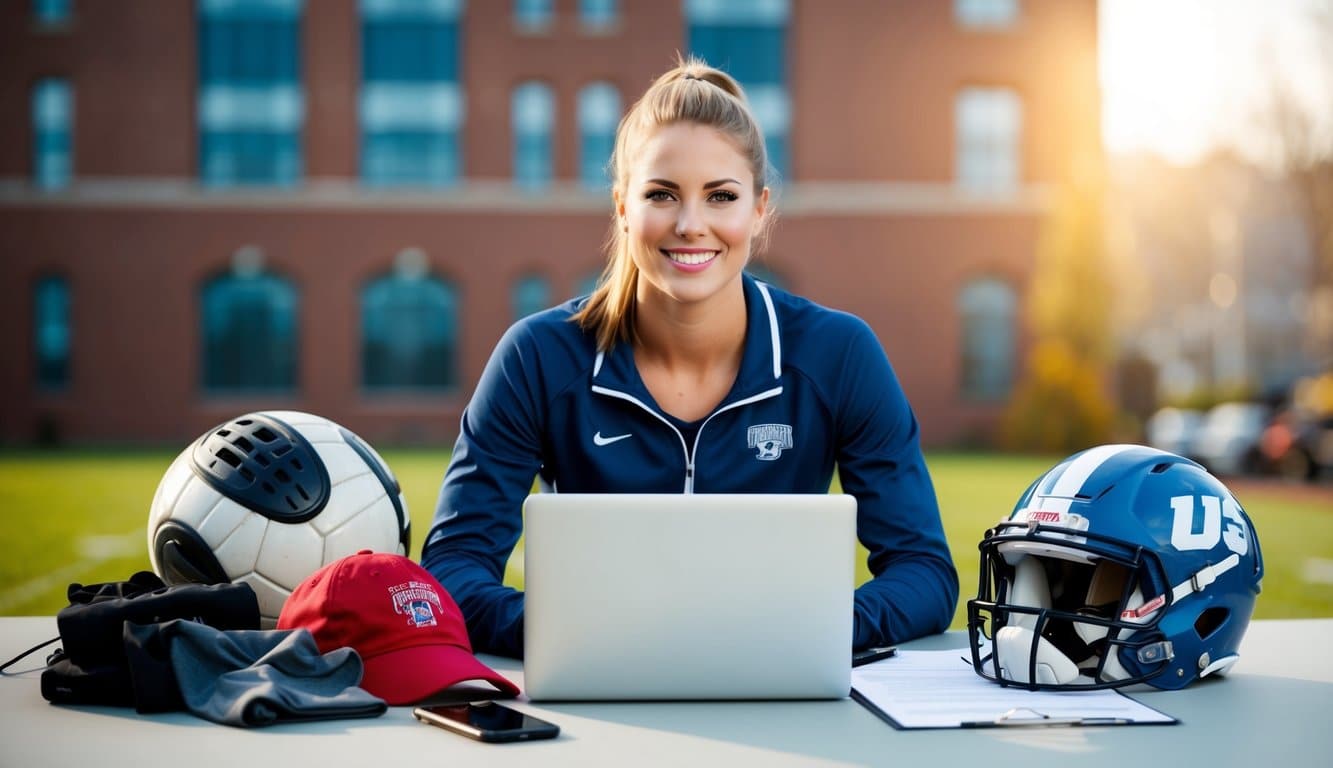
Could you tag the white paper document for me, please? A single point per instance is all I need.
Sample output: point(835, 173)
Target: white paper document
point(939, 689)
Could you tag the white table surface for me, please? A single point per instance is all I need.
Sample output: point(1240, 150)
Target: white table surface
point(1274, 710)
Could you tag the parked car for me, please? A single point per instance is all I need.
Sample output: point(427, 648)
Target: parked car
point(1228, 440)
point(1299, 445)
point(1173, 429)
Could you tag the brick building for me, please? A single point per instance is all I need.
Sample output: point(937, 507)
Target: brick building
point(215, 206)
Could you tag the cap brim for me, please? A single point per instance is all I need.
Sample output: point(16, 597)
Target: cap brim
point(409, 675)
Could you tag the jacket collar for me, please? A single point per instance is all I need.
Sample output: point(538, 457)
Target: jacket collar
point(761, 361)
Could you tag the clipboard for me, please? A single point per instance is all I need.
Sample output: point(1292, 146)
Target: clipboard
point(939, 689)
point(1020, 717)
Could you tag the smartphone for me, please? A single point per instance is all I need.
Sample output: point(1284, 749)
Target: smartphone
point(871, 655)
point(487, 721)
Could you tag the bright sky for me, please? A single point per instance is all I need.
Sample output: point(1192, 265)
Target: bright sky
point(1181, 76)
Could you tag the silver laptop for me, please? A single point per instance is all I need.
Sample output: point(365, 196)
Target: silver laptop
point(674, 596)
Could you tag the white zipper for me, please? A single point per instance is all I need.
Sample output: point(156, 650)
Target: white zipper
point(689, 465)
point(689, 451)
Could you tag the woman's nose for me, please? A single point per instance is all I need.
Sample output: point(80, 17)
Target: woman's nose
point(689, 221)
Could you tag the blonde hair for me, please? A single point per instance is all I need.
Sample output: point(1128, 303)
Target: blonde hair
point(690, 92)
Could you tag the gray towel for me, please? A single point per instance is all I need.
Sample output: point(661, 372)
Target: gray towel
point(260, 677)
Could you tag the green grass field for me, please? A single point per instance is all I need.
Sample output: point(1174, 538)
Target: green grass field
point(80, 515)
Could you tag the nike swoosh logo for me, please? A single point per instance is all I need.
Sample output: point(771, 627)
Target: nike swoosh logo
point(599, 440)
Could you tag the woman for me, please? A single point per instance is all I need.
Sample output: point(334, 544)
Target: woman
point(681, 373)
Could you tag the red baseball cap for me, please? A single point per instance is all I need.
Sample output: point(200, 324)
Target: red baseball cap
point(405, 626)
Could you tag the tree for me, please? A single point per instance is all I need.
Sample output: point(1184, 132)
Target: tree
point(1070, 295)
point(1061, 403)
point(1302, 145)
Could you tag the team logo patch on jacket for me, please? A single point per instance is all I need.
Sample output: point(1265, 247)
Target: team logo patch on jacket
point(770, 439)
point(417, 601)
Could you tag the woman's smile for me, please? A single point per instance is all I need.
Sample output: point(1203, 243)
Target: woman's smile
point(691, 259)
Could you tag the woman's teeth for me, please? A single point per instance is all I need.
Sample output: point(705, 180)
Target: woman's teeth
point(690, 258)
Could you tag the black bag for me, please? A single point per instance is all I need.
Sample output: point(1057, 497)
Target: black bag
point(92, 666)
point(92, 626)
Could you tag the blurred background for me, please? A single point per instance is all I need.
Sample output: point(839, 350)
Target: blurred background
point(1060, 216)
point(1070, 222)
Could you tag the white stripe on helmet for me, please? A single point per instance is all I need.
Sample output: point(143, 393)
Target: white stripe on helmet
point(1071, 480)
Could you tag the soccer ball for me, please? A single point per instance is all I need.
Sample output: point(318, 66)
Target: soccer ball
point(269, 498)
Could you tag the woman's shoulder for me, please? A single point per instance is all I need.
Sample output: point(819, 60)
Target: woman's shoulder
point(816, 339)
point(822, 344)
point(542, 352)
point(549, 330)
point(801, 317)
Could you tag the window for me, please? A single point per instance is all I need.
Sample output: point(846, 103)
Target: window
point(533, 15)
point(599, 15)
point(251, 108)
point(989, 127)
point(52, 130)
point(411, 101)
point(599, 114)
point(533, 111)
point(51, 332)
point(987, 308)
point(51, 13)
point(249, 324)
point(986, 13)
point(531, 294)
point(748, 40)
point(409, 327)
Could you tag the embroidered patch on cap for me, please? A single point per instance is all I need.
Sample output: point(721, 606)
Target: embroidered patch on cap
point(415, 599)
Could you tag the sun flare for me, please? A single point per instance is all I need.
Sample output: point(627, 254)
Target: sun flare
point(1180, 77)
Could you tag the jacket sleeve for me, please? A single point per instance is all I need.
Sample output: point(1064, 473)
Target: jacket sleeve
point(914, 586)
point(478, 517)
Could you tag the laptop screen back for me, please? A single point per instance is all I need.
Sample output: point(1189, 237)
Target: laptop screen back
point(673, 596)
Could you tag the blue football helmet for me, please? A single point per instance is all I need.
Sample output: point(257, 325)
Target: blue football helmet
point(1121, 565)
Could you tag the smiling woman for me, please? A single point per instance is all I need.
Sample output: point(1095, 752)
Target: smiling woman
point(680, 373)
point(691, 206)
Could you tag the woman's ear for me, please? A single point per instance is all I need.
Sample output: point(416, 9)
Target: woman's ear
point(761, 211)
point(620, 210)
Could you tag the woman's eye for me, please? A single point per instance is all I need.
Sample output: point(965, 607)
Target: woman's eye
point(658, 195)
point(723, 196)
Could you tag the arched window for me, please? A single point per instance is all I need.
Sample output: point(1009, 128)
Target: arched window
point(530, 294)
point(599, 113)
point(51, 332)
point(409, 329)
point(533, 115)
point(249, 325)
point(987, 307)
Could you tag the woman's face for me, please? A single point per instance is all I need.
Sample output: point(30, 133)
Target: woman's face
point(690, 212)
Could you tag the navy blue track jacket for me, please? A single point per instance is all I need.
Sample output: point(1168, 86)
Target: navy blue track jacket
point(814, 390)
